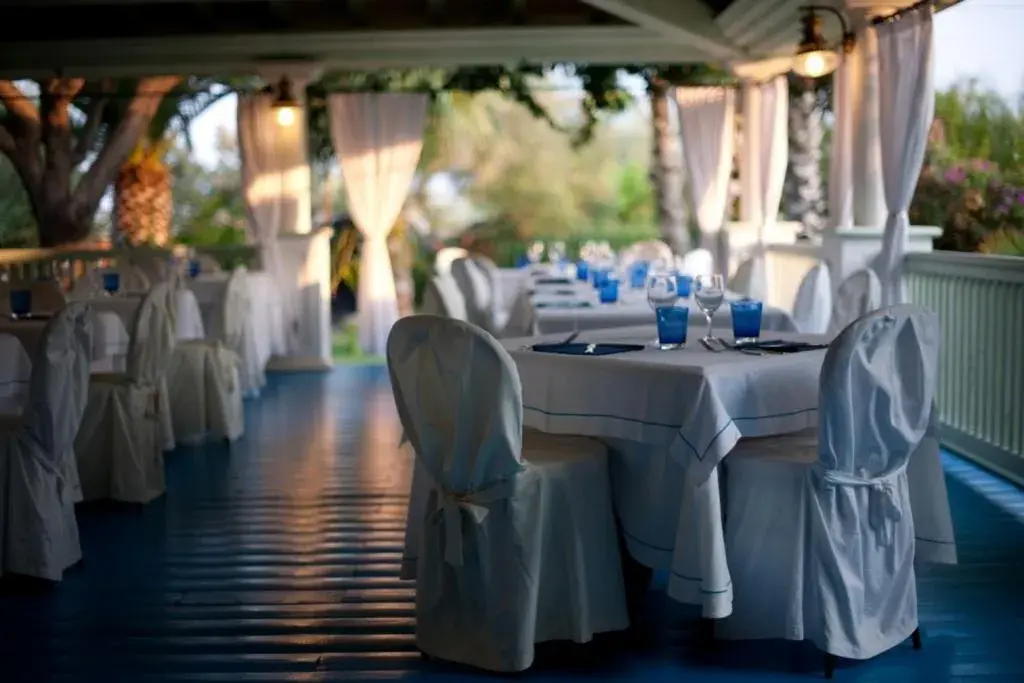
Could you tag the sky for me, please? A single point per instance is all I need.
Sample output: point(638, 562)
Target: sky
point(981, 39)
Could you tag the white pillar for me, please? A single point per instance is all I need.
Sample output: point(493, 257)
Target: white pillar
point(868, 193)
point(751, 210)
point(305, 254)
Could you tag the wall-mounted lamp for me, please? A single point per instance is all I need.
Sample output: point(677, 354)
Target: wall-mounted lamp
point(815, 57)
point(285, 103)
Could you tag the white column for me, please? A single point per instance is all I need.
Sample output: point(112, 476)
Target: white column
point(751, 210)
point(304, 253)
point(868, 191)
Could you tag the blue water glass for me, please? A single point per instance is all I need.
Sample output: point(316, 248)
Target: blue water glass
point(746, 319)
point(21, 301)
point(609, 290)
point(684, 285)
point(638, 275)
point(194, 268)
point(600, 277)
point(672, 324)
point(111, 282)
point(582, 271)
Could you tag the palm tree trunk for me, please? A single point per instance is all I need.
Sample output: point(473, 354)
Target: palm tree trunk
point(667, 171)
point(803, 198)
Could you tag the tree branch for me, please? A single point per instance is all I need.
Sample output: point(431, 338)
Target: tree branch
point(7, 144)
point(17, 104)
point(93, 123)
point(54, 99)
point(148, 95)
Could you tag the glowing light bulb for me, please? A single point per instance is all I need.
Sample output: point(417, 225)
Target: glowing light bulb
point(285, 116)
point(814, 65)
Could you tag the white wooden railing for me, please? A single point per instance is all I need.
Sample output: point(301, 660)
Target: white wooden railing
point(980, 303)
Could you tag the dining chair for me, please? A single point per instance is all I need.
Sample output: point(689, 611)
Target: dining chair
point(812, 307)
point(858, 295)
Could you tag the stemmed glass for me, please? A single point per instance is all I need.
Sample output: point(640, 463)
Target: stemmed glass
point(709, 293)
point(662, 290)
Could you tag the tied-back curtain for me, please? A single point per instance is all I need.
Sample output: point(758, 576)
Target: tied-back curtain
point(773, 158)
point(707, 122)
point(840, 168)
point(377, 138)
point(906, 108)
point(263, 192)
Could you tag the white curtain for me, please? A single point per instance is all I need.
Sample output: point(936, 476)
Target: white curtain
point(263, 191)
point(772, 117)
point(377, 137)
point(840, 169)
point(707, 121)
point(906, 107)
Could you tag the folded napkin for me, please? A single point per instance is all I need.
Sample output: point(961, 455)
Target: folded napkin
point(780, 346)
point(562, 304)
point(584, 349)
point(552, 281)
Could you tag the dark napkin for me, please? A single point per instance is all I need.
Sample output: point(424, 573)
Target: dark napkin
point(781, 346)
point(584, 349)
point(552, 281)
point(562, 304)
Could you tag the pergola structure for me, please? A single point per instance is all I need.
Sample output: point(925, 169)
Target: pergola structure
point(300, 38)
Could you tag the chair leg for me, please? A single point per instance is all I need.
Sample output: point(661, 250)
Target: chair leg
point(915, 638)
point(830, 664)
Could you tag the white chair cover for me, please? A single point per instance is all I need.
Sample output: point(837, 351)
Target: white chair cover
point(490, 269)
point(820, 540)
point(204, 378)
point(510, 552)
point(475, 288)
point(133, 279)
point(443, 298)
point(38, 478)
point(743, 280)
point(697, 262)
point(446, 256)
point(858, 295)
point(648, 250)
point(119, 447)
point(812, 307)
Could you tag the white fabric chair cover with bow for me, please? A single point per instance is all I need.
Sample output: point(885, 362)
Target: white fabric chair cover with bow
point(476, 289)
point(820, 533)
point(205, 375)
point(119, 447)
point(812, 307)
point(442, 297)
point(39, 483)
point(697, 262)
point(498, 308)
point(511, 544)
point(858, 295)
point(445, 257)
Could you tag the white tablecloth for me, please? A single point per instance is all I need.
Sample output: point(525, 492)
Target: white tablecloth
point(126, 307)
point(109, 336)
point(672, 417)
point(15, 370)
point(554, 311)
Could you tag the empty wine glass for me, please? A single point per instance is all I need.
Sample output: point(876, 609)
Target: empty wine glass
point(709, 293)
point(661, 292)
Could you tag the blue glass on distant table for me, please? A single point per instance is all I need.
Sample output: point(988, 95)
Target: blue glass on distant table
point(111, 282)
point(638, 275)
point(582, 271)
point(672, 324)
point(684, 285)
point(600, 277)
point(609, 290)
point(746, 319)
point(21, 301)
point(194, 268)
point(521, 262)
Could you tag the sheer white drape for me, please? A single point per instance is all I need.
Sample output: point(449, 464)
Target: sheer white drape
point(377, 138)
point(772, 116)
point(263, 185)
point(707, 123)
point(840, 169)
point(906, 108)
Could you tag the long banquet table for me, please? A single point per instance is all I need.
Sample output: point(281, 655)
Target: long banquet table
point(671, 418)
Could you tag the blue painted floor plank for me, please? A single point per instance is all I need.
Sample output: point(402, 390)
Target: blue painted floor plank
point(277, 559)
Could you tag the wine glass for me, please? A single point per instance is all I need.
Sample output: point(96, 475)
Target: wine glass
point(709, 293)
point(661, 291)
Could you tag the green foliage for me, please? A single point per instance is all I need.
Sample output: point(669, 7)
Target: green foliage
point(1004, 242)
point(17, 224)
point(975, 123)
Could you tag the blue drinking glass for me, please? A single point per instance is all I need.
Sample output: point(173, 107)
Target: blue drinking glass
point(582, 271)
point(609, 290)
point(638, 275)
point(111, 282)
point(672, 324)
point(600, 277)
point(194, 268)
point(684, 285)
point(746, 319)
point(21, 302)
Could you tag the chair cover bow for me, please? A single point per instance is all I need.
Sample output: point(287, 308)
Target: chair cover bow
point(883, 508)
point(451, 505)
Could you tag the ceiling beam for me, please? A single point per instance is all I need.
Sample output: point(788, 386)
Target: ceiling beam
point(354, 50)
point(688, 22)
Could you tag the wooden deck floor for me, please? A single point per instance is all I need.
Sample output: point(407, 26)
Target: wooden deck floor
point(277, 560)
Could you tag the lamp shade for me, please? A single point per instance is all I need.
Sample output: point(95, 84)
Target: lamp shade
point(815, 63)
